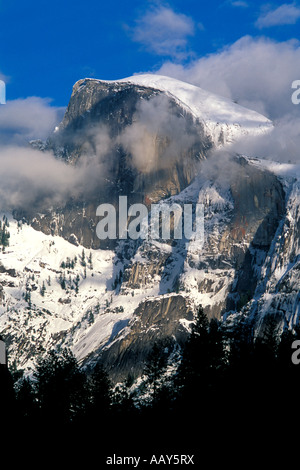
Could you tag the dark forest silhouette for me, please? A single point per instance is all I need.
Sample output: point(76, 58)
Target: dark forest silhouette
point(226, 382)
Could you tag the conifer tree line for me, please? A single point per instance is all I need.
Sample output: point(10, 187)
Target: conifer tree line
point(222, 376)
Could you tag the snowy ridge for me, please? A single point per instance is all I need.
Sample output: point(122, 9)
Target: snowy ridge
point(224, 120)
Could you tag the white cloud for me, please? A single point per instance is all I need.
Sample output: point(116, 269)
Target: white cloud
point(258, 74)
point(283, 15)
point(157, 137)
point(239, 4)
point(29, 177)
point(24, 119)
point(33, 178)
point(164, 32)
point(281, 144)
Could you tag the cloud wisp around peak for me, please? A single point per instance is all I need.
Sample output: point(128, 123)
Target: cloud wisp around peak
point(286, 14)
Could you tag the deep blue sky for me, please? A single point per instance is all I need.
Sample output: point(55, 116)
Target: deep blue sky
point(47, 45)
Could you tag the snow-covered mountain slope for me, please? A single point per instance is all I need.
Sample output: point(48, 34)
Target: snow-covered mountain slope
point(278, 287)
point(111, 304)
point(224, 120)
point(54, 293)
point(47, 288)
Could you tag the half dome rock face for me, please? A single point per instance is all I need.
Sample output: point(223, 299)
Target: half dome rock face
point(153, 142)
point(142, 137)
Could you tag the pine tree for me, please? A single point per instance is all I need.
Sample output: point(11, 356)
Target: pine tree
point(240, 373)
point(195, 350)
point(100, 393)
point(60, 387)
point(83, 262)
point(202, 366)
point(122, 400)
point(155, 368)
point(28, 296)
point(26, 401)
point(267, 342)
point(76, 282)
point(62, 280)
point(43, 289)
point(90, 260)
